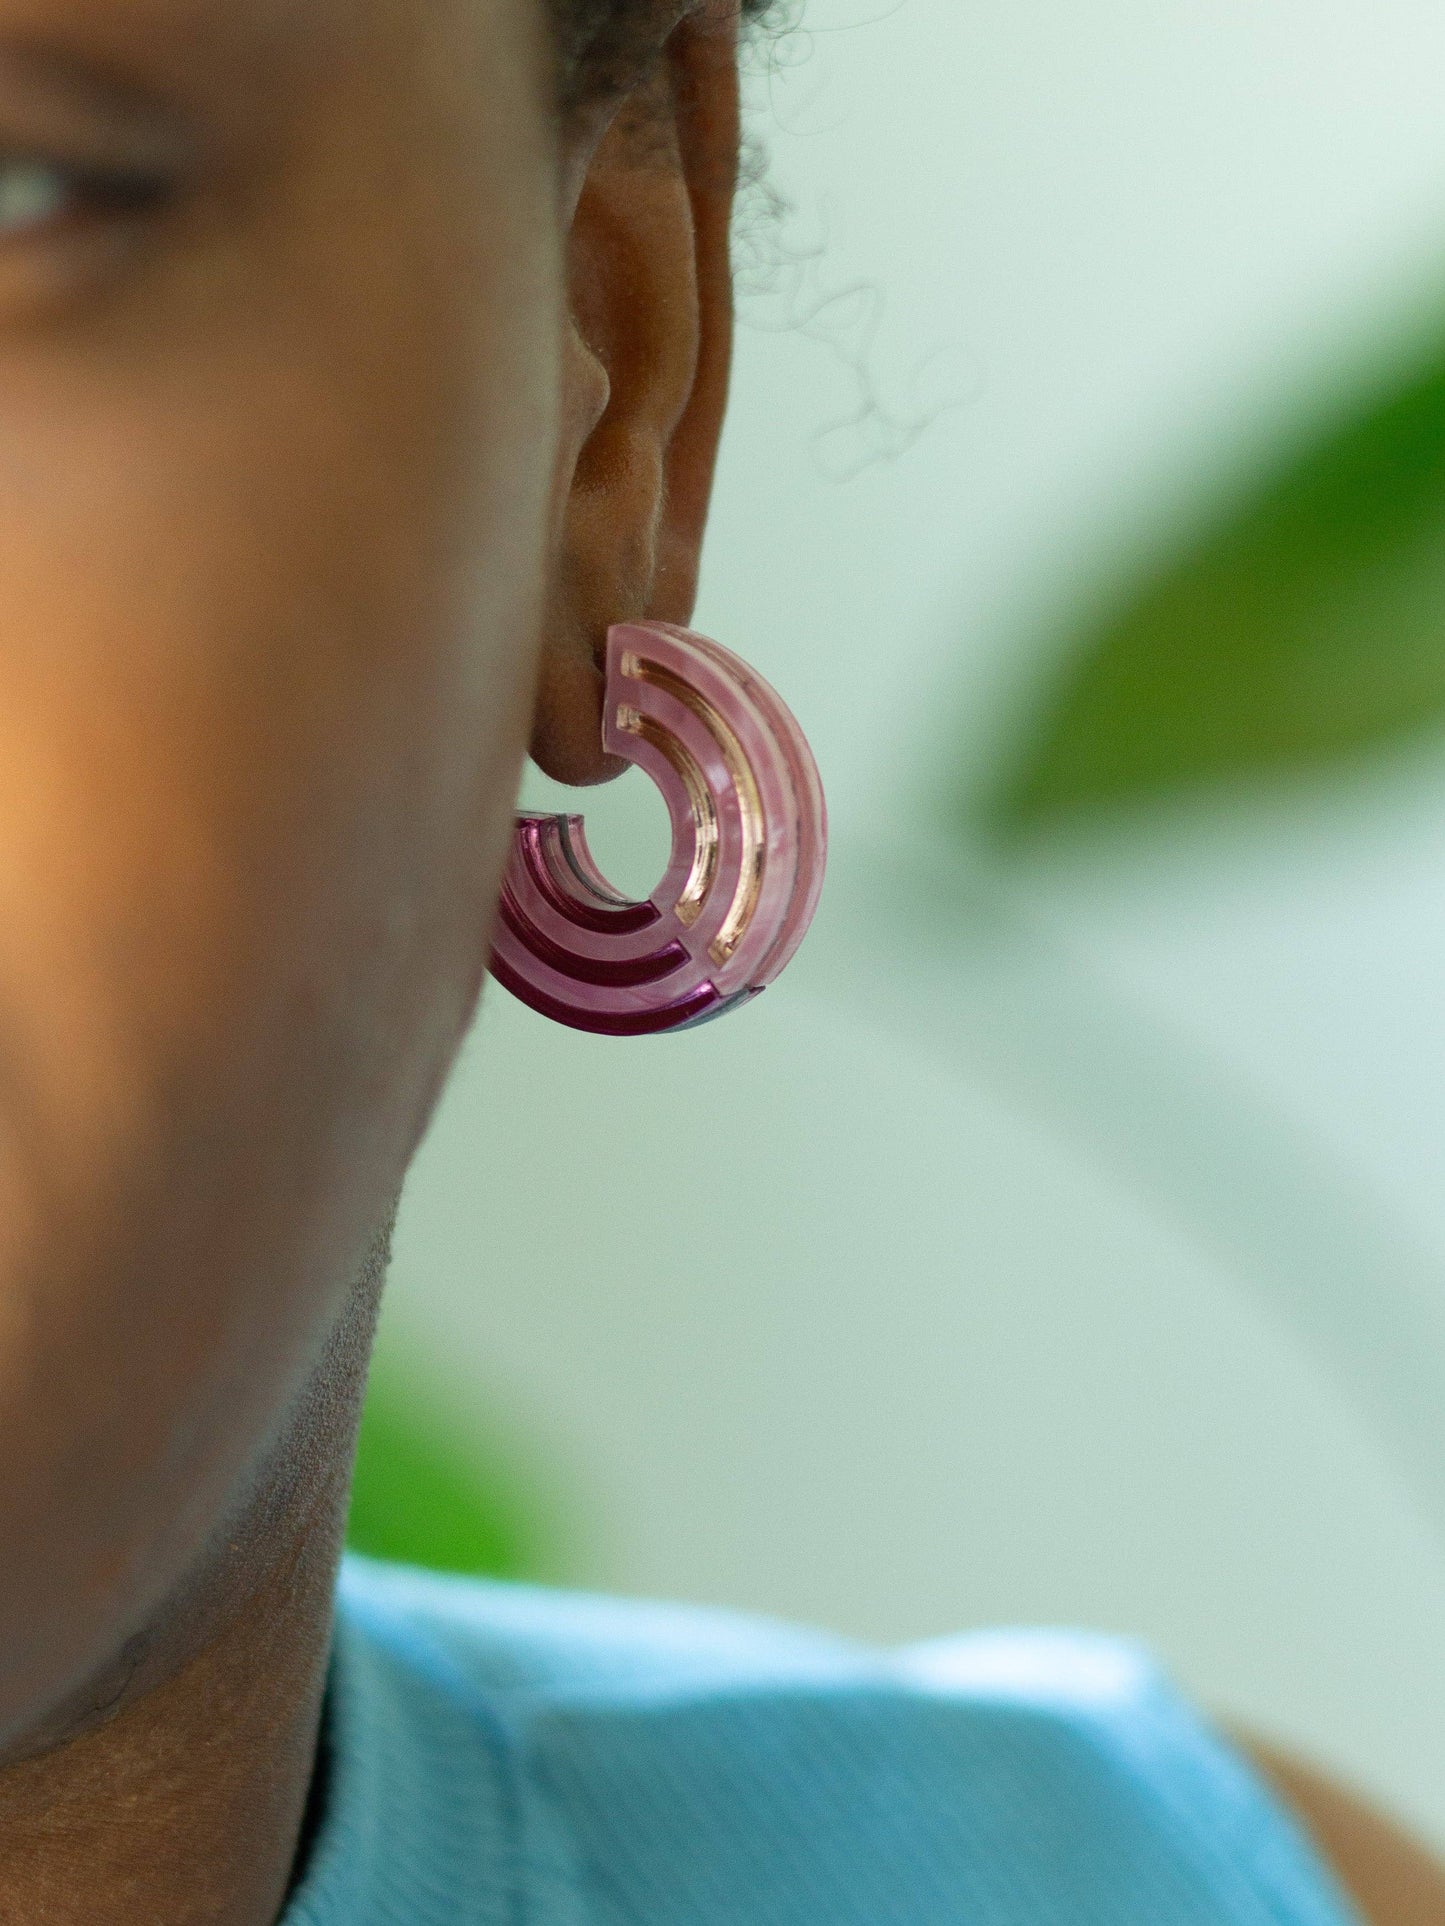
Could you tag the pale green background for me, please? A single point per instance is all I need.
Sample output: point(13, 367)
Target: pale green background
point(862, 1306)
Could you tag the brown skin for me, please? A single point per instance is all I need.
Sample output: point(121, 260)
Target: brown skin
point(318, 494)
point(1390, 1877)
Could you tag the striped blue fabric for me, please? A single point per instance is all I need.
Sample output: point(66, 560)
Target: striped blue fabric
point(503, 1754)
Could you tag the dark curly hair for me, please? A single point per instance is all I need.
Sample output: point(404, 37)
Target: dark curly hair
point(603, 44)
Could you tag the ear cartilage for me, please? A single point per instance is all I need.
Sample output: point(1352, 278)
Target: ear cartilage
point(749, 847)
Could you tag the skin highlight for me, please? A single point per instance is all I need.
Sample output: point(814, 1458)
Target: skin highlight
point(325, 464)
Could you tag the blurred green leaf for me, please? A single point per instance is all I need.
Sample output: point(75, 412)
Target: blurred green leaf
point(1304, 627)
point(424, 1495)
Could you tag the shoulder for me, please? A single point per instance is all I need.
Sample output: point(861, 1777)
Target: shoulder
point(718, 1767)
point(1391, 1877)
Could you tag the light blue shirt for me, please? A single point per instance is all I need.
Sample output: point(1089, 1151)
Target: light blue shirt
point(502, 1755)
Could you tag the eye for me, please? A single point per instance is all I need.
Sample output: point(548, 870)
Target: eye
point(38, 194)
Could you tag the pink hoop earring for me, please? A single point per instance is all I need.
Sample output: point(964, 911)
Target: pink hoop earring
point(749, 842)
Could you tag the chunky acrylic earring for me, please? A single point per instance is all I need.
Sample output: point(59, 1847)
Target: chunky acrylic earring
point(749, 840)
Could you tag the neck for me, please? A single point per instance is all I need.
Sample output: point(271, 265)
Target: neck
point(175, 1792)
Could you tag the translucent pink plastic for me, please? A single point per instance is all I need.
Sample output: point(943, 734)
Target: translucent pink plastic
point(749, 844)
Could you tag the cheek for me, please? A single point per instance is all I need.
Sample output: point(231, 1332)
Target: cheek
point(268, 623)
point(263, 679)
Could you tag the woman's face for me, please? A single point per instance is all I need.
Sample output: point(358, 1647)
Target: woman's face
point(279, 367)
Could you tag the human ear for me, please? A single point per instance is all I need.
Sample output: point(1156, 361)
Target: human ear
point(646, 375)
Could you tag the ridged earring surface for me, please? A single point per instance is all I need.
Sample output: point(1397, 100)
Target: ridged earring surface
point(749, 845)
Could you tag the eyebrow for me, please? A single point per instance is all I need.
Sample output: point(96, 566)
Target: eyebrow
point(50, 92)
point(163, 69)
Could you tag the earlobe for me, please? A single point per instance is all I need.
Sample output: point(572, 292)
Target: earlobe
point(646, 374)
